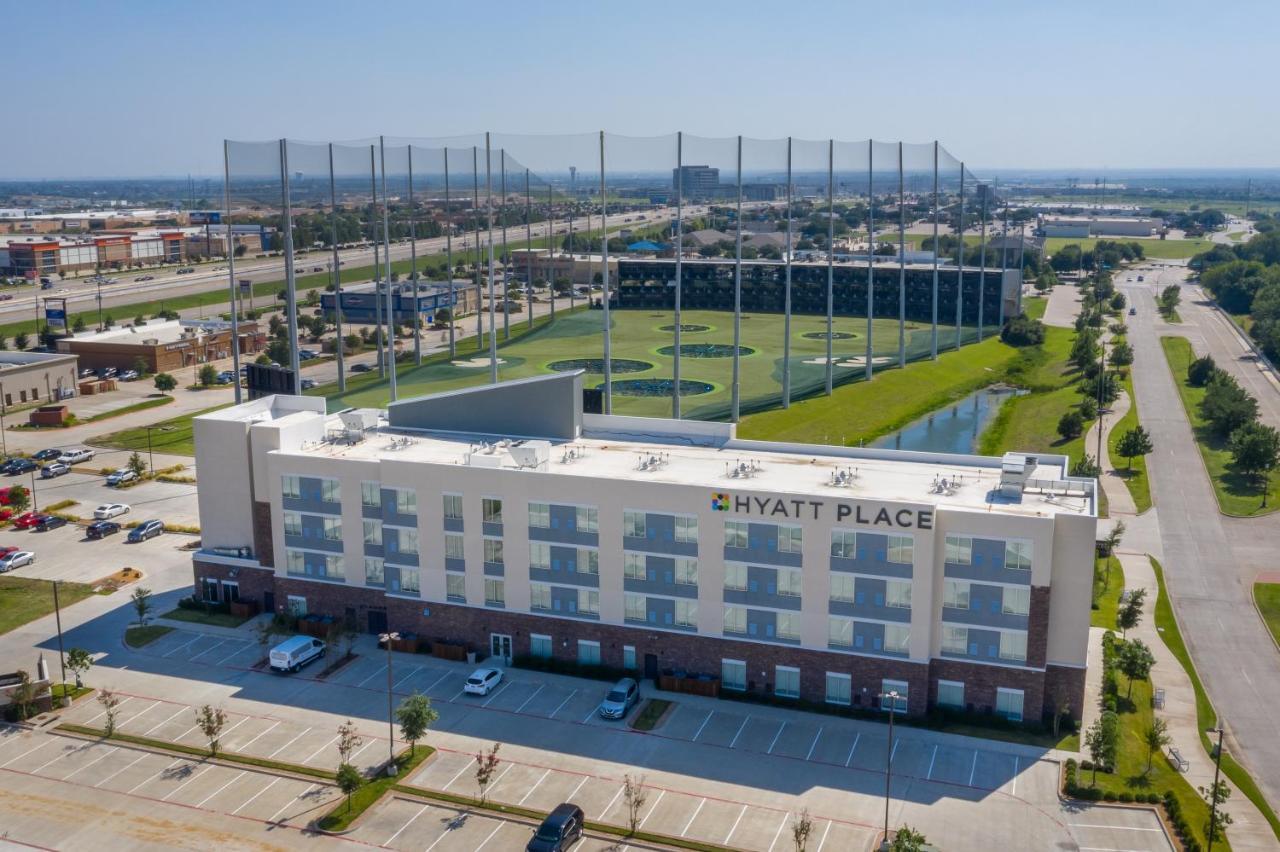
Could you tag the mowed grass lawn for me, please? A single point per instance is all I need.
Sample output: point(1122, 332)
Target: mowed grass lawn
point(1135, 477)
point(1108, 583)
point(172, 436)
point(1266, 596)
point(1158, 249)
point(24, 599)
point(1236, 493)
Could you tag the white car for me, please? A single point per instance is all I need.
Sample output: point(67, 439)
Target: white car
point(110, 510)
point(76, 455)
point(482, 681)
point(16, 560)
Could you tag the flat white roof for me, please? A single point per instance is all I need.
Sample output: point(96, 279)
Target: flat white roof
point(160, 331)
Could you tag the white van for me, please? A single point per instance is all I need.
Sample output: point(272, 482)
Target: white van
point(295, 652)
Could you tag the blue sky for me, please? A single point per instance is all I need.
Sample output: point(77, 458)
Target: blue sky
point(151, 88)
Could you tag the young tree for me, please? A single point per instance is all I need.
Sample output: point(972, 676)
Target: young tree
point(486, 765)
point(908, 839)
point(1112, 540)
point(24, 695)
point(1070, 425)
point(79, 661)
point(1129, 616)
point(634, 796)
point(1170, 298)
point(348, 741)
point(1121, 354)
point(110, 703)
point(801, 828)
point(1155, 737)
point(415, 714)
point(208, 375)
point(349, 780)
point(165, 382)
point(210, 720)
point(1101, 740)
point(1255, 449)
point(137, 463)
point(1216, 796)
point(1135, 661)
point(1135, 442)
point(1200, 371)
point(141, 600)
point(19, 499)
point(20, 340)
point(1086, 466)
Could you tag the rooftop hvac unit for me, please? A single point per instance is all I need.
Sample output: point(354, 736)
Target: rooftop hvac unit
point(359, 419)
point(151, 341)
point(530, 454)
point(1015, 470)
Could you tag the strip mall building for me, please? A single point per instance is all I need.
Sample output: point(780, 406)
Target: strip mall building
point(504, 518)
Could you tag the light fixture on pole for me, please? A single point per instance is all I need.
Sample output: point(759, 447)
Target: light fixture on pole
point(1213, 791)
point(387, 639)
point(893, 697)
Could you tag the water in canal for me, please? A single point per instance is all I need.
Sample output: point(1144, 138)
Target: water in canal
point(954, 428)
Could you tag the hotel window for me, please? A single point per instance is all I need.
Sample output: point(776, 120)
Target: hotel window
point(1017, 554)
point(959, 550)
point(633, 566)
point(539, 596)
point(492, 510)
point(1013, 646)
point(373, 571)
point(539, 646)
point(628, 657)
point(407, 540)
point(633, 524)
point(901, 549)
point(333, 567)
point(735, 619)
point(735, 533)
point(333, 529)
point(410, 582)
point(290, 486)
point(539, 515)
point(733, 675)
point(586, 519)
point(897, 593)
point(955, 640)
point(539, 555)
point(735, 577)
point(841, 586)
point(1017, 600)
point(295, 561)
point(372, 531)
point(370, 494)
point(406, 501)
point(330, 490)
point(588, 561)
point(897, 638)
point(292, 523)
point(297, 605)
point(1009, 703)
point(787, 625)
point(844, 544)
point(588, 653)
point(839, 689)
point(789, 583)
point(455, 586)
point(686, 613)
point(898, 705)
point(955, 594)
point(634, 607)
point(493, 551)
point(495, 592)
point(453, 506)
point(686, 571)
point(687, 529)
point(453, 546)
point(790, 539)
point(786, 681)
point(840, 632)
point(951, 694)
point(589, 601)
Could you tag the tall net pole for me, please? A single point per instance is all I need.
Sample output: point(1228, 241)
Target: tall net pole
point(386, 252)
point(737, 300)
point(675, 329)
point(506, 258)
point(831, 253)
point(551, 249)
point(448, 257)
point(960, 268)
point(933, 337)
point(604, 272)
point(786, 298)
point(493, 319)
point(475, 216)
point(337, 277)
point(902, 262)
point(413, 267)
point(1004, 258)
point(983, 190)
point(377, 263)
point(291, 282)
point(231, 268)
point(528, 250)
point(871, 242)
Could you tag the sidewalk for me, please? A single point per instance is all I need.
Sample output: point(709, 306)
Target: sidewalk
point(1119, 500)
point(1250, 830)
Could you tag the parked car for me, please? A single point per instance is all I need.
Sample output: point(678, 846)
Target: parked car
point(108, 372)
point(559, 831)
point(57, 468)
point(49, 522)
point(144, 278)
point(295, 652)
point(47, 454)
point(226, 377)
point(87, 372)
point(129, 376)
point(145, 530)
point(101, 529)
point(307, 354)
point(7, 549)
point(618, 703)
point(120, 477)
point(26, 520)
point(1133, 311)
point(16, 466)
point(110, 510)
point(361, 368)
point(307, 384)
point(16, 560)
point(186, 270)
point(482, 681)
point(76, 455)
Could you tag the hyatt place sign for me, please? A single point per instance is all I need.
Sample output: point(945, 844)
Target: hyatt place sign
point(800, 509)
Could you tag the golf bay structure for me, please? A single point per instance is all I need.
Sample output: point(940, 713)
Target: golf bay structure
point(505, 520)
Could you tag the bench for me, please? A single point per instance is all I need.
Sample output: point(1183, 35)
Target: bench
point(1158, 699)
point(1176, 758)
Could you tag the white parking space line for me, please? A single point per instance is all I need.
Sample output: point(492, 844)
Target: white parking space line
point(437, 681)
point(778, 833)
point(553, 713)
point(490, 837)
point(416, 669)
point(495, 694)
point(734, 827)
point(233, 780)
point(973, 768)
point(245, 747)
point(185, 783)
point(590, 713)
point(459, 775)
point(696, 811)
point(661, 793)
point(929, 775)
point(530, 698)
point(734, 741)
point(611, 801)
point(154, 776)
point(534, 787)
point(276, 815)
point(399, 830)
point(1106, 849)
point(809, 756)
point(291, 742)
point(1114, 827)
point(175, 715)
point(25, 753)
point(121, 769)
point(246, 802)
point(48, 763)
point(107, 753)
point(243, 645)
point(223, 735)
point(493, 785)
point(894, 752)
point(381, 670)
point(104, 712)
point(569, 798)
point(318, 751)
point(217, 644)
point(852, 749)
point(136, 715)
point(183, 646)
point(825, 831)
point(360, 751)
point(1013, 787)
point(782, 728)
point(703, 725)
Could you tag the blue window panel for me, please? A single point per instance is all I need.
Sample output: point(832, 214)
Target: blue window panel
point(862, 553)
point(879, 599)
point(768, 630)
point(880, 556)
point(652, 533)
point(751, 628)
point(995, 606)
point(669, 576)
point(555, 604)
point(753, 585)
point(773, 544)
point(973, 649)
point(652, 574)
point(860, 597)
point(993, 650)
point(975, 603)
point(977, 559)
point(573, 606)
point(875, 643)
point(653, 617)
point(668, 535)
point(555, 523)
point(772, 588)
point(857, 640)
point(997, 561)
point(555, 564)
point(667, 618)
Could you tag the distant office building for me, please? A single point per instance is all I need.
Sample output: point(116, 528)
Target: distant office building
point(1099, 226)
point(360, 306)
point(696, 181)
point(162, 345)
point(36, 377)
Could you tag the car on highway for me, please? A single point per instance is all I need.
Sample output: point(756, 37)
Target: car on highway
point(101, 529)
point(559, 831)
point(145, 278)
point(76, 455)
point(54, 469)
point(361, 368)
point(120, 477)
point(110, 510)
point(145, 530)
point(186, 270)
point(1133, 311)
point(482, 681)
point(618, 703)
point(13, 467)
point(47, 454)
point(16, 560)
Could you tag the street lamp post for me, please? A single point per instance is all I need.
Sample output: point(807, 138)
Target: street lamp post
point(151, 458)
point(35, 506)
point(1213, 793)
point(893, 696)
point(388, 638)
point(57, 614)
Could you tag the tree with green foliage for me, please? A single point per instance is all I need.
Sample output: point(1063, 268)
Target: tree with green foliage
point(1255, 450)
point(79, 661)
point(1086, 466)
point(137, 464)
point(908, 839)
point(1070, 424)
point(78, 325)
point(1155, 736)
point(1133, 443)
point(165, 382)
point(1200, 371)
point(1101, 740)
point(1226, 405)
point(1170, 298)
point(278, 351)
point(20, 340)
point(415, 715)
point(19, 499)
point(1216, 796)
point(1129, 616)
point(349, 780)
point(1121, 354)
point(1135, 661)
point(25, 694)
point(141, 600)
point(208, 375)
point(211, 720)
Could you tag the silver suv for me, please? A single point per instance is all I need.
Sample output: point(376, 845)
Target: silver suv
point(618, 703)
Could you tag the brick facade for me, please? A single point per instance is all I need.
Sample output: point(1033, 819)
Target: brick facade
point(254, 582)
point(263, 544)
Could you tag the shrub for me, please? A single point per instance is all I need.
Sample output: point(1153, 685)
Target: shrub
point(1153, 798)
point(1086, 765)
point(1126, 797)
point(1109, 796)
point(1022, 331)
point(1200, 371)
point(1070, 425)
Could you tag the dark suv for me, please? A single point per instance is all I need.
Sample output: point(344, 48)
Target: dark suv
point(560, 830)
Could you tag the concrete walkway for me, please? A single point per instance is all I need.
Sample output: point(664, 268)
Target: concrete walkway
point(1119, 500)
point(1064, 305)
